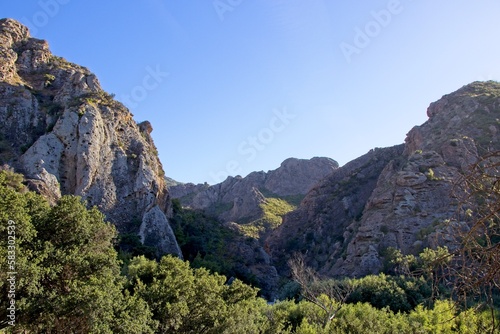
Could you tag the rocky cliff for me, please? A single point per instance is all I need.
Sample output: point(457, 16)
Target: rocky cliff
point(321, 224)
point(67, 136)
point(415, 197)
point(239, 199)
point(251, 207)
point(403, 198)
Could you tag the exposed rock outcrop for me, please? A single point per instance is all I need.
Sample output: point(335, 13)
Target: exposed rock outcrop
point(238, 199)
point(415, 196)
point(240, 204)
point(410, 196)
point(320, 227)
point(67, 136)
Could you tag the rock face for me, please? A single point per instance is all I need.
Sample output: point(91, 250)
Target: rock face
point(298, 176)
point(238, 199)
point(240, 203)
point(68, 136)
point(322, 223)
point(399, 197)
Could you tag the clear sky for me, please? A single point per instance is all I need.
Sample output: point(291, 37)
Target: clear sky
point(234, 86)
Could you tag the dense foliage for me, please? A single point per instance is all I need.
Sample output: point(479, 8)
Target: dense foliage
point(69, 280)
point(204, 240)
point(67, 272)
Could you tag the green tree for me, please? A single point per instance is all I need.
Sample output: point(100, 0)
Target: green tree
point(433, 263)
point(187, 300)
point(399, 264)
point(68, 275)
point(364, 318)
point(440, 319)
point(380, 291)
point(80, 286)
point(17, 208)
point(399, 293)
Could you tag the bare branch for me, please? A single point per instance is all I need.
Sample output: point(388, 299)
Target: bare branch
point(315, 289)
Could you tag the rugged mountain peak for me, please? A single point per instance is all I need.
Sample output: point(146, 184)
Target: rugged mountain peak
point(460, 123)
point(414, 196)
point(146, 127)
point(467, 96)
point(12, 32)
point(297, 176)
point(14, 35)
point(394, 198)
point(325, 220)
point(238, 199)
point(68, 136)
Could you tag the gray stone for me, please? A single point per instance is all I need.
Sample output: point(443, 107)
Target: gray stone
point(68, 136)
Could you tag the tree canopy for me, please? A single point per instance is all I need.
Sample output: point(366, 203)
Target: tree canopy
point(69, 279)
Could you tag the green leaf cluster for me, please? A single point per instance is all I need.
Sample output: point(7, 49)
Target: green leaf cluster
point(187, 300)
point(67, 272)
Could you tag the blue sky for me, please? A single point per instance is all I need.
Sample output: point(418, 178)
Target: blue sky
point(235, 86)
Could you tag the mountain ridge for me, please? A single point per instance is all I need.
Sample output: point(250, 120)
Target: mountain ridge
point(243, 195)
point(412, 204)
point(68, 136)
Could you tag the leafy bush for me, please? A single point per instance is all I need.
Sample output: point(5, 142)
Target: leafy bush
point(380, 291)
point(67, 269)
point(186, 300)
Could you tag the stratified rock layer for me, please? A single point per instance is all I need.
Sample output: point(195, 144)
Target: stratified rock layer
point(322, 223)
